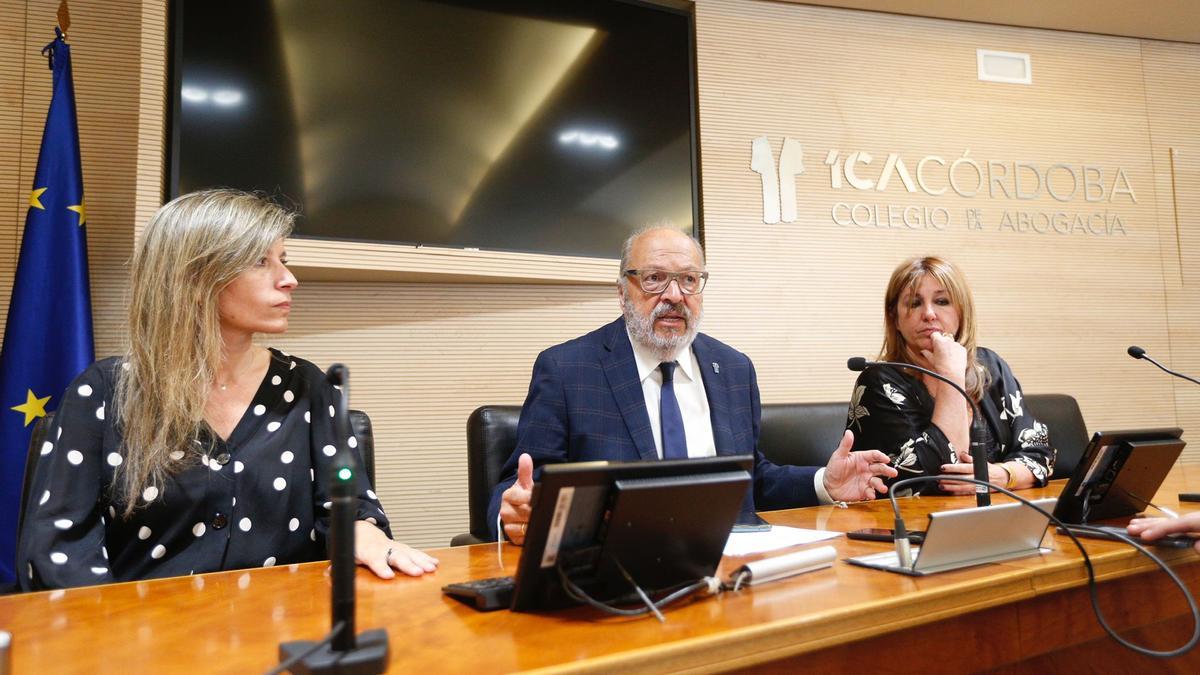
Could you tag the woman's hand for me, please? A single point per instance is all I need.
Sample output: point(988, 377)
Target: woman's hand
point(948, 358)
point(997, 475)
point(373, 550)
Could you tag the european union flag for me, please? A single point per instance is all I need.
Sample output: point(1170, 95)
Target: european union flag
point(48, 337)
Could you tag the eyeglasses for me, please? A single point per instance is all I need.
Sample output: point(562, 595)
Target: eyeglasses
point(656, 281)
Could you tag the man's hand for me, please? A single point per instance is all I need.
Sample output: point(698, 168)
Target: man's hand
point(856, 476)
point(514, 503)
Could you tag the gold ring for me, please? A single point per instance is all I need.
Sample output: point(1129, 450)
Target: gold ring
point(524, 526)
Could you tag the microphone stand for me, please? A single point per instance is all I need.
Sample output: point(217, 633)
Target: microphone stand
point(346, 652)
point(1139, 353)
point(978, 451)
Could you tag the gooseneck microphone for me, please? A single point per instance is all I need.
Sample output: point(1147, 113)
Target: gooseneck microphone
point(978, 451)
point(1139, 353)
point(342, 651)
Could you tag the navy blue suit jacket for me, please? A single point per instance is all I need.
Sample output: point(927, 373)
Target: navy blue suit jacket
point(585, 403)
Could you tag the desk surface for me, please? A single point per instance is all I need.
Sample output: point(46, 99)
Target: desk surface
point(233, 621)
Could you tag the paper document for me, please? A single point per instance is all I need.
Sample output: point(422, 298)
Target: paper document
point(745, 543)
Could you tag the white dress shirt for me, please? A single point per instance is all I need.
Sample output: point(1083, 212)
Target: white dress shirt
point(693, 405)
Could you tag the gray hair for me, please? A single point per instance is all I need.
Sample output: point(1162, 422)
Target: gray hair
point(627, 247)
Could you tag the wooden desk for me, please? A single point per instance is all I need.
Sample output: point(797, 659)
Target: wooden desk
point(841, 619)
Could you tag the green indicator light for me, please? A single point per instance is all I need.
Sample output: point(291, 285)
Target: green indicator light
point(344, 473)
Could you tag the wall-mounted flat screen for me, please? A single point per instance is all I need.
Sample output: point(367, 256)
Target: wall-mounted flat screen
point(553, 126)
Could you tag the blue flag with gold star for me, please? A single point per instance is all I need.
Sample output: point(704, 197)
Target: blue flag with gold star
point(48, 337)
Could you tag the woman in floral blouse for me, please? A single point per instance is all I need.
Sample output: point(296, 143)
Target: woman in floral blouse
point(923, 423)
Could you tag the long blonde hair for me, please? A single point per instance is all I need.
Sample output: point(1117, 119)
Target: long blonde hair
point(193, 247)
point(907, 276)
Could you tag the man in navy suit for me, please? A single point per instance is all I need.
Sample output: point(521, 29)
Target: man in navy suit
point(649, 386)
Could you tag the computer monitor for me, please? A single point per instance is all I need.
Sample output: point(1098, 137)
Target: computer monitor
point(1118, 475)
point(665, 523)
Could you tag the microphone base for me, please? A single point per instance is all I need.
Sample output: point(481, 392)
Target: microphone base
point(370, 656)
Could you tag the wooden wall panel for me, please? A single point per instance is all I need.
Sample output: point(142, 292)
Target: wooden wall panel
point(1173, 106)
point(801, 297)
point(798, 297)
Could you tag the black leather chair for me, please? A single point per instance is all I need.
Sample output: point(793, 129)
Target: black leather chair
point(360, 424)
point(1061, 415)
point(801, 434)
point(491, 439)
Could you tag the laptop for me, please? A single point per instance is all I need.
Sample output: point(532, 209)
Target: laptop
point(972, 536)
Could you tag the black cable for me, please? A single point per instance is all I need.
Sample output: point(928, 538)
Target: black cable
point(333, 632)
point(577, 594)
point(1087, 562)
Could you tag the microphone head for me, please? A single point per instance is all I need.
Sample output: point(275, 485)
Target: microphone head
point(337, 375)
point(1136, 351)
point(856, 363)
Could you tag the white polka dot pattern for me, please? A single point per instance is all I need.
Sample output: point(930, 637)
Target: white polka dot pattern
point(63, 524)
point(269, 562)
point(113, 459)
point(198, 529)
point(144, 533)
point(280, 484)
point(85, 390)
point(329, 450)
point(45, 498)
point(177, 455)
point(75, 457)
point(272, 426)
point(352, 442)
point(276, 380)
point(58, 558)
point(244, 524)
point(289, 396)
point(293, 524)
point(260, 409)
point(287, 457)
point(150, 493)
point(238, 467)
point(100, 412)
point(158, 552)
point(46, 448)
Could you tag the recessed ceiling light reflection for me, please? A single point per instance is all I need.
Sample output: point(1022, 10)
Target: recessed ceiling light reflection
point(193, 94)
point(592, 140)
point(227, 97)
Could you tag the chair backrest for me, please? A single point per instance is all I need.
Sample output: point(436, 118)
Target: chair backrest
point(36, 438)
point(801, 434)
point(360, 426)
point(491, 439)
point(807, 433)
point(1068, 434)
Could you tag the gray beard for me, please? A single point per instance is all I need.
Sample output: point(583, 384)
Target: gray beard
point(641, 328)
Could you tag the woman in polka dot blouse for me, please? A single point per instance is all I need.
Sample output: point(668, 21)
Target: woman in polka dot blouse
point(198, 450)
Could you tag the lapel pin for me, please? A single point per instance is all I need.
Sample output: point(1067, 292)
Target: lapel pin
point(716, 367)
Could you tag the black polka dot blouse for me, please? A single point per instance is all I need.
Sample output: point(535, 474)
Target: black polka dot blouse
point(257, 499)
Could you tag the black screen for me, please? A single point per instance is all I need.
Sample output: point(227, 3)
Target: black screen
point(554, 126)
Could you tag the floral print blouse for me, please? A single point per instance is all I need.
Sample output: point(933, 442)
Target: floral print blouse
point(892, 411)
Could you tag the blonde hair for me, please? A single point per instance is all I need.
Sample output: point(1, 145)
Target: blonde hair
point(906, 277)
point(192, 248)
